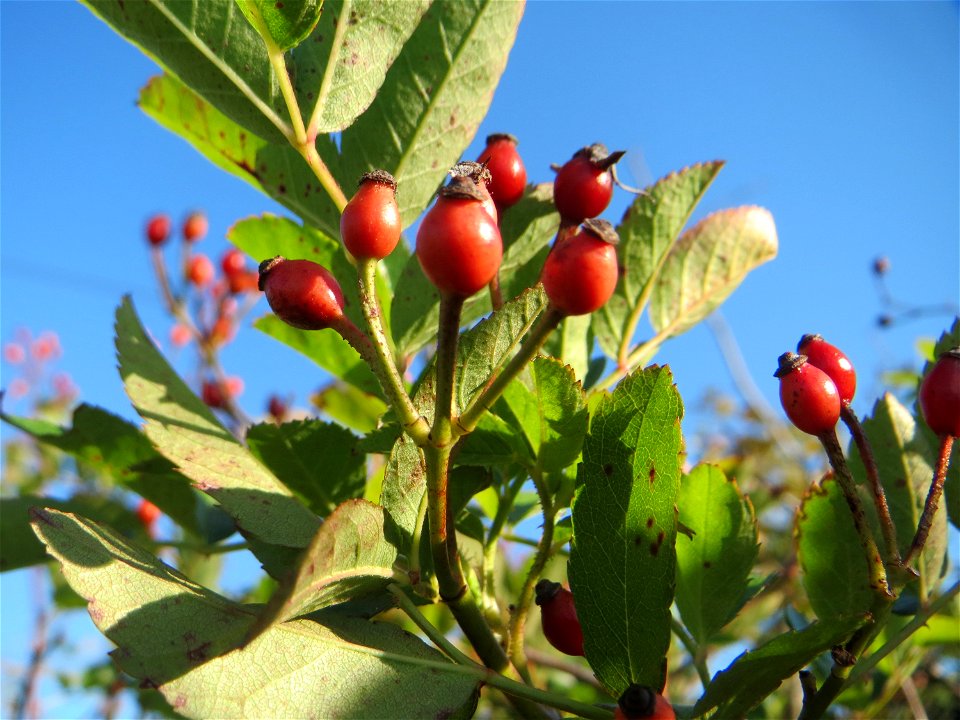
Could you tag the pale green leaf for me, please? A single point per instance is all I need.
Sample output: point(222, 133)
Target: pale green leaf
point(647, 231)
point(348, 558)
point(622, 557)
point(339, 70)
point(404, 484)
point(708, 263)
point(187, 433)
point(350, 406)
point(186, 641)
point(433, 98)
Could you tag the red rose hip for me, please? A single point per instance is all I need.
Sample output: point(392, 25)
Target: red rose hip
point(195, 227)
point(302, 293)
point(584, 185)
point(508, 175)
point(940, 395)
point(370, 224)
point(458, 243)
point(833, 362)
point(158, 229)
point(639, 702)
point(200, 271)
point(580, 273)
point(808, 395)
point(558, 616)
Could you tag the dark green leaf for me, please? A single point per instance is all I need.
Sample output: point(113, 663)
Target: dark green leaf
point(286, 24)
point(318, 460)
point(713, 567)
point(187, 433)
point(622, 557)
point(121, 454)
point(835, 573)
point(756, 674)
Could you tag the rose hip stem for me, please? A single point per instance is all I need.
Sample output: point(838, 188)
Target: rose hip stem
point(887, 527)
point(933, 499)
point(877, 572)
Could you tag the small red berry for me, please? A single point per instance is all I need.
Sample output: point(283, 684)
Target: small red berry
point(458, 243)
point(277, 408)
point(807, 394)
point(223, 330)
point(302, 293)
point(558, 616)
point(580, 273)
point(148, 513)
point(584, 185)
point(180, 335)
point(508, 175)
point(233, 262)
point(195, 227)
point(216, 395)
point(640, 702)
point(200, 270)
point(370, 224)
point(158, 229)
point(940, 395)
point(833, 362)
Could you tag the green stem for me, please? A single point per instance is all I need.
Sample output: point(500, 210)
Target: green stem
point(488, 677)
point(539, 333)
point(518, 618)
point(414, 564)
point(385, 367)
point(933, 499)
point(875, 567)
point(887, 527)
point(693, 647)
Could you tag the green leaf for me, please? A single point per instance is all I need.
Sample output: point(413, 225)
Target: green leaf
point(19, 546)
point(212, 49)
point(905, 462)
point(350, 406)
point(339, 71)
point(120, 453)
point(552, 414)
point(835, 573)
point(526, 231)
point(648, 230)
point(707, 264)
point(185, 430)
point(276, 170)
point(622, 557)
point(286, 23)
point(327, 349)
point(348, 558)
point(495, 442)
point(176, 636)
point(404, 484)
point(757, 673)
point(433, 98)
point(317, 460)
point(713, 567)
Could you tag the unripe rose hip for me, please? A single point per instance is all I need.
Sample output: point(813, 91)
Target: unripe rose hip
point(200, 271)
point(807, 394)
point(302, 293)
point(370, 224)
point(940, 395)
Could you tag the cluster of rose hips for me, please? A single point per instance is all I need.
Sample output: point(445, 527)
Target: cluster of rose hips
point(816, 388)
point(458, 243)
point(207, 306)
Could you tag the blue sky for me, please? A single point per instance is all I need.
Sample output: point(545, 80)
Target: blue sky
point(841, 118)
